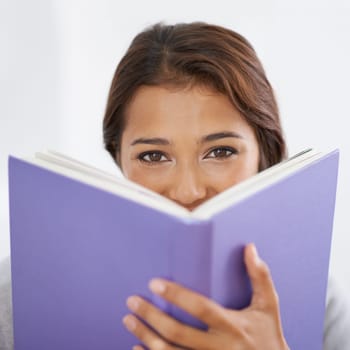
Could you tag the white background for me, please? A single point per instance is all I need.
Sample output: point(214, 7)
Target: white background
point(57, 59)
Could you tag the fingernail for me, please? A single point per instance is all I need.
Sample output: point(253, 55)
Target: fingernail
point(157, 286)
point(257, 259)
point(129, 323)
point(132, 303)
point(137, 347)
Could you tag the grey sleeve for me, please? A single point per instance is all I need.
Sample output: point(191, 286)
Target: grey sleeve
point(336, 335)
point(6, 331)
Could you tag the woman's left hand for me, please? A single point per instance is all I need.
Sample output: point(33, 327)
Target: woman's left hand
point(256, 327)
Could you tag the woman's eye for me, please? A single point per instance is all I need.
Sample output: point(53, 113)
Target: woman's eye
point(221, 152)
point(152, 157)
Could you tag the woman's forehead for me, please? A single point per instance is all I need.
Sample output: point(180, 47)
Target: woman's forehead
point(162, 107)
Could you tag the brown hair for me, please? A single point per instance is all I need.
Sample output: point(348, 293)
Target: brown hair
point(197, 53)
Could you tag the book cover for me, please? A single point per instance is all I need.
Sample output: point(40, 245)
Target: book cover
point(78, 252)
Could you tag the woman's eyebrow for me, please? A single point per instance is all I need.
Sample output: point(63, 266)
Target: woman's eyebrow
point(206, 138)
point(151, 141)
point(220, 135)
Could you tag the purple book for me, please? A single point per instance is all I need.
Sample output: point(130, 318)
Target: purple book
point(78, 251)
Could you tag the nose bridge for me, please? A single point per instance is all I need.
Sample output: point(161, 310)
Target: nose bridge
point(189, 185)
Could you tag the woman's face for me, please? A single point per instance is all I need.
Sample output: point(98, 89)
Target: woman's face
point(186, 144)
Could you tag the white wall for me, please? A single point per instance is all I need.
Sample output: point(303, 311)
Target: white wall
point(58, 57)
point(30, 93)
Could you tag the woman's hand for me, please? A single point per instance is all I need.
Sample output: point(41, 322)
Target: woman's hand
point(256, 327)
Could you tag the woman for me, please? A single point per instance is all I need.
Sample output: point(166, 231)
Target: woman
point(189, 114)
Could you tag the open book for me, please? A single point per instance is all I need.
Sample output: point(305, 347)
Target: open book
point(82, 241)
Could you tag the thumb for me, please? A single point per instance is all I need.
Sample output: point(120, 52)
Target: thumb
point(264, 292)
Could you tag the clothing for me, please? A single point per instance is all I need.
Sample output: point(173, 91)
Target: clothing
point(336, 333)
point(336, 330)
point(6, 331)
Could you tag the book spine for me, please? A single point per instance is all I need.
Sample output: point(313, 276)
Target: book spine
point(190, 264)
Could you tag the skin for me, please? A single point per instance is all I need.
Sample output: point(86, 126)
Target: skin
point(188, 145)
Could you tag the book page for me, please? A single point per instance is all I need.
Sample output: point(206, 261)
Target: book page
point(256, 183)
point(82, 172)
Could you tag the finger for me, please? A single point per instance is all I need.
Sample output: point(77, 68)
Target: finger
point(169, 328)
point(194, 303)
point(264, 292)
point(145, 334)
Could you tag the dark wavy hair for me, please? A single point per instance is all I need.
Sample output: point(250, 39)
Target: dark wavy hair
point(197, 53)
